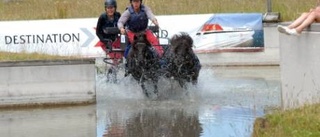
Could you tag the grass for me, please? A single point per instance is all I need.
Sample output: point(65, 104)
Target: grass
point(9, 56)
point(53, 9)
point(301, 122)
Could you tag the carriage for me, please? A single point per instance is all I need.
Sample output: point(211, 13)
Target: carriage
point(179, 62)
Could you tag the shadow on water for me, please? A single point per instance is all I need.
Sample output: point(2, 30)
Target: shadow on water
point(157, 123)
point(225, 103)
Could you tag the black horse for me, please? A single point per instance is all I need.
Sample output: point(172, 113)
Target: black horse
point(183, 64)
point(143, 63)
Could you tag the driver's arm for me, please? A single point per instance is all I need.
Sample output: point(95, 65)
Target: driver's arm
point(150, 15)
point(122, 20)
point(99, 29)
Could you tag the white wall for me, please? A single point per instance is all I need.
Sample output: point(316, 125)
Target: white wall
point(74, 36)
point(77, 36)
point(299, 65)
point(48, 82)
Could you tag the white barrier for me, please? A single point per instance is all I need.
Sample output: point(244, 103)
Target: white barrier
point(70, 36)
point(77, 36)
point(299, 64)
point(57, 37)
point(47, 82)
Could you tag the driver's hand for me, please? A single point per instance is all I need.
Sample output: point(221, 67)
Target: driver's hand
point(155, 22)
point(105, 41)
point(122, 31)
point(109, 48)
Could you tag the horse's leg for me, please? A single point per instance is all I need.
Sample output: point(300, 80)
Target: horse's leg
point(144, 89)
point(194, 80)
point(114, 75)
point(181, 83)
point(195, 77)
point(155, 85)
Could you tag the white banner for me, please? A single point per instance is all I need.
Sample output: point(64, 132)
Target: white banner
point(77, 36)
point(57, 37)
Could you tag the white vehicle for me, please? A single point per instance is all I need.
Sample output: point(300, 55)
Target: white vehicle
point(213, 36)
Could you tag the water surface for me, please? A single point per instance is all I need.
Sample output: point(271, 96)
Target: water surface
point(224, 104)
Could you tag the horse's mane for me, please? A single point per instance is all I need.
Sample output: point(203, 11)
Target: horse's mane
point(181, 43)
point(181, 39)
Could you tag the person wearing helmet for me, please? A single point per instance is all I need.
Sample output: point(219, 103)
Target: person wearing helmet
point(109, 18)
point(136, 18)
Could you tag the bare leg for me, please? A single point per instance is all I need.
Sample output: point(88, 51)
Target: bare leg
point(310, 19)
point(317, 14)
point(299, 20)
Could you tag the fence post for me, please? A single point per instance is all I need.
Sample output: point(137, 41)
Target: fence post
point(269, 6)
point(270, 16)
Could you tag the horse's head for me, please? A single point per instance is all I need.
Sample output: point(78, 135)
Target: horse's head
point(141, 45)
point(141, 39)
point(181, 46)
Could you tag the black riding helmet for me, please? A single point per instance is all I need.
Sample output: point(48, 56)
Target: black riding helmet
point(110, 3)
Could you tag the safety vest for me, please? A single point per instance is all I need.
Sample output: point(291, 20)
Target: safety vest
point(137, 21)
point(111, 23)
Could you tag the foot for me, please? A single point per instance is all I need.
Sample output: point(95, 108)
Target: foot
point(283, 29)
point(293, 32)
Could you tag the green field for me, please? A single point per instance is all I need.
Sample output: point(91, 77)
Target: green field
point(53, 9)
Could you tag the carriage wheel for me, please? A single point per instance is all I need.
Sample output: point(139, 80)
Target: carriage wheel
point(112, 75)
